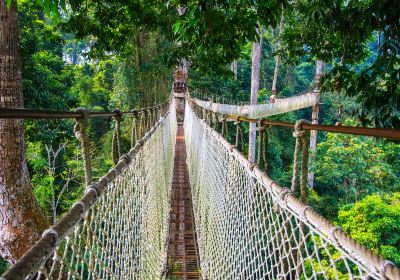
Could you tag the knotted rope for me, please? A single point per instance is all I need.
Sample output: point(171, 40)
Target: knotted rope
point(224, 128)
point(301, 146)
point(134, 132)
point(262, 144)
point(116, 139)
point(215, 121)
point(142, 128)
point(80, 133)
point(209, 118)
point(152, 116)
point(158, 112)
point(239, 134)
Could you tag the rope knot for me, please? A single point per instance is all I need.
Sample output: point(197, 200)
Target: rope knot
point(301, 147)
point(80, 134)
point(118, 115)
point(260, 126)
point(238, 121)
point(134, 113)
point(84, 114)
point(116, 139)
point(298, 130)
point(81, 122)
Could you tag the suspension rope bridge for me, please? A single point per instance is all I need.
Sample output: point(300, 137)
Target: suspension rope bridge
point(279, 106)
point(184, 202)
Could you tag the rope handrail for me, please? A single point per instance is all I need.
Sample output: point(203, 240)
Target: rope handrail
point(363, 131)
point(23, 113)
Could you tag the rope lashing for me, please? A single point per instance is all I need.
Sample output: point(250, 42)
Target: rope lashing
point(209, 118)
point(142, 128)
point(149, 118)
point(134, 132)
point(116, 139)
point(239, 134)
point(199, 111)
point(301, 146)
point(262, 144)
point(224, 128)
point(203, 113)
point(80, 133)
point(215, 121)
point(158, 110)
point(152, 115)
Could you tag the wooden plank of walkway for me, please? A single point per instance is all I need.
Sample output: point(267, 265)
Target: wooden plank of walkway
point(183, 260)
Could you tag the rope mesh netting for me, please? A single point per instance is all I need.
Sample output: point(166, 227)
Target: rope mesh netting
point(119, 229)
point(248, 227)
point(280, 106)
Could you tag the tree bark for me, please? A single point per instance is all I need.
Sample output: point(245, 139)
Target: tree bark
point(277, 61)
point(314, 120)
point(21, 221)
point(255, 81)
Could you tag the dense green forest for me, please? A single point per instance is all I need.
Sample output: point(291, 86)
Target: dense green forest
point(66, 65)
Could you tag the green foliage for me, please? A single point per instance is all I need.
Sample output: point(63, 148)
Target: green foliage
point(3, 266)
point(356, 166)
point(375, 222)
point(135, 45)
point(361, 41)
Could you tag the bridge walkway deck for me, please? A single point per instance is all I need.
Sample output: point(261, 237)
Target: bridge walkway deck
point(183, 260)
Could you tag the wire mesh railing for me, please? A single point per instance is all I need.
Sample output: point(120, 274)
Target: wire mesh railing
point(248, 227)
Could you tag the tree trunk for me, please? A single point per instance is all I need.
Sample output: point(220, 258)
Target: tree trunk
point(21, 221)
point(314, 120)
point(255, 80)
point(234, 69)
point(277, 61)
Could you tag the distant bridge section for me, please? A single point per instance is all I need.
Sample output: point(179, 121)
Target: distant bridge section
point(279, 106)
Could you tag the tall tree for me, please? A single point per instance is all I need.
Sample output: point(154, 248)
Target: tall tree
point(277, 61)
point(21, 222)
point(234, 69)
point(314, 118)
point(255, 82)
